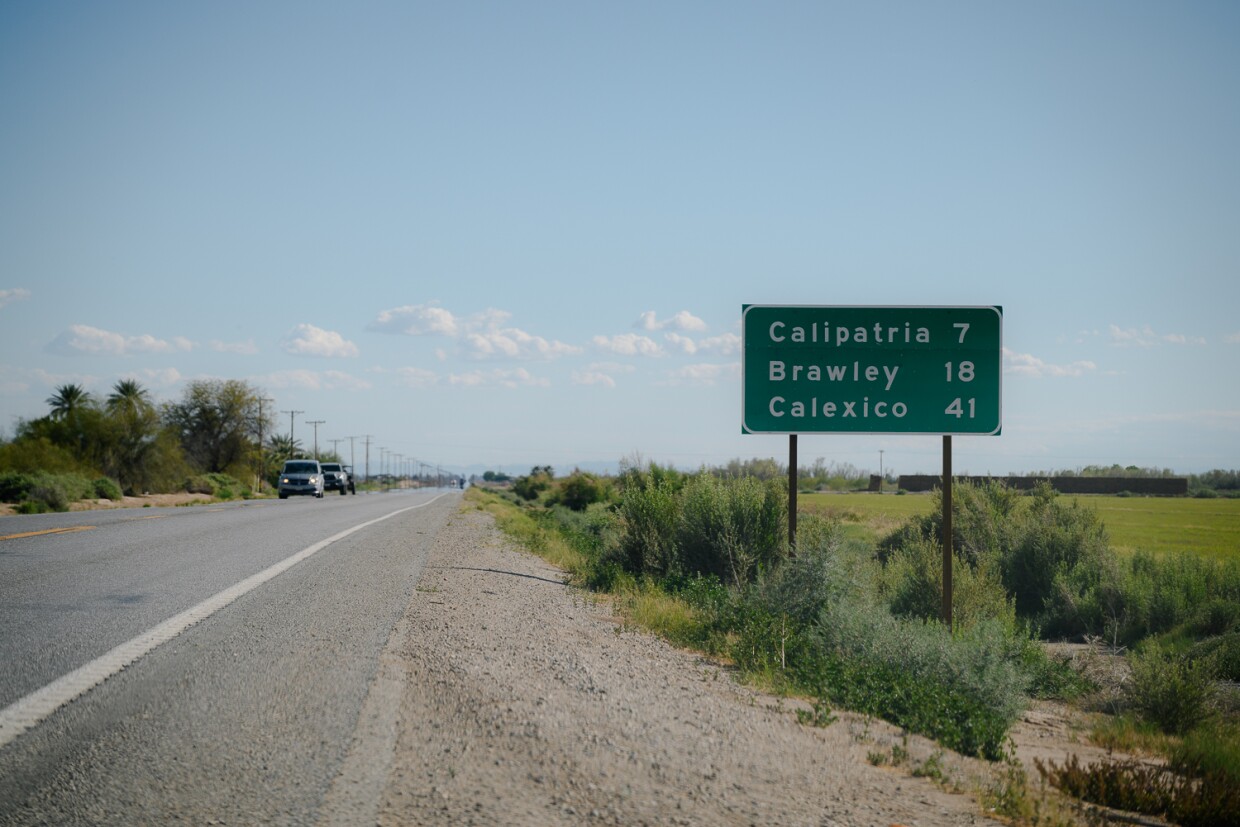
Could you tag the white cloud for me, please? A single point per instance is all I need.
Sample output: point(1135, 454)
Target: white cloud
point(725, 344)
point(83, 339)
point(592, 377)
point(704, 374)
point(628, 344)
point(158, 377)
point(1025, 364)
point(330, 380)
point(684, 320)
point(308, 340)
point(512, 343)
point(416, 320)
point(1146, 337)
point(681, 343)
point(411, 377)
point(246, 348)
point(1232, 338)
point(481, 336)
point(17, 294)
point(519, 377)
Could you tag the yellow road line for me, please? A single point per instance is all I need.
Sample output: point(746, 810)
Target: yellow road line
point(46, 531)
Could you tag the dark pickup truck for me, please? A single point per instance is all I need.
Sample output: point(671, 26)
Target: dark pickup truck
point(338, 477)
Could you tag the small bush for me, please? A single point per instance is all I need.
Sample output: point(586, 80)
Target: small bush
point(1223, 653)
point(649, 515)
point(107, 489)
point(732, 528)
point(199, 485)
point(1209, 751)
point(531, 486)
point(1216, 617)
point(1173, 693)
point(971, 680)
point(1209, 801)
point(15, 487)
point(581, 490)
point(55, 492)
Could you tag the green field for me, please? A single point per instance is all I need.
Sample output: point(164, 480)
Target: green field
point(1210, 528)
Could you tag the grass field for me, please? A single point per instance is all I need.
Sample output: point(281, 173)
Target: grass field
point(1210, 528)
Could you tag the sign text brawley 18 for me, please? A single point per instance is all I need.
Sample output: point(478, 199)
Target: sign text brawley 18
point(871, 370)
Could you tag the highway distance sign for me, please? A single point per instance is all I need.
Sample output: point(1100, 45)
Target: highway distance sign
point(871, 370)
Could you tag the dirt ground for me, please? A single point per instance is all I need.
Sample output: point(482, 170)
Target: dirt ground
point(528, 702)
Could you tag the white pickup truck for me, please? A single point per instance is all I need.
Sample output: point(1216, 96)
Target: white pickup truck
point(338, 477)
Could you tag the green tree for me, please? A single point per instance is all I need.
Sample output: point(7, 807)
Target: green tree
point(132, 437)
point(217, 422)
point(68, 400)
point(128, 395)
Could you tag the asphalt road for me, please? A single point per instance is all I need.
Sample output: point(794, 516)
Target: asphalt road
point(242, 718)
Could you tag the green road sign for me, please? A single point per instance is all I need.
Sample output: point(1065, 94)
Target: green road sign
point(871, 370)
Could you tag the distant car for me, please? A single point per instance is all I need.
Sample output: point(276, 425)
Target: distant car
point(301, 476)
point(337, 477)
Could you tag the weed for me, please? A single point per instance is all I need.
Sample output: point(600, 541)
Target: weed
point(1212, 799)
point(819, 716)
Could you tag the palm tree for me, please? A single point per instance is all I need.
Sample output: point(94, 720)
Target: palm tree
point(68, 400)
point(128, 395)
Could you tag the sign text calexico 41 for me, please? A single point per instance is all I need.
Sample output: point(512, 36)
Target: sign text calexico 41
point(871, 370)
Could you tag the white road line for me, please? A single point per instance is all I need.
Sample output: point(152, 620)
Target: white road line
point(31, 710)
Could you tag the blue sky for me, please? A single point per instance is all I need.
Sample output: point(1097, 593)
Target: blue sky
point(501, 234)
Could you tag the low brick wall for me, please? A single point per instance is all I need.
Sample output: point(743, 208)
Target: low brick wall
point(1158, 487)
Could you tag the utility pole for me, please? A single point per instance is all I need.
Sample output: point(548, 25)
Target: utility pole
point(291, 440)
point(262, 465)
point(334, 443)
point(352, 466)
point(316, 423)
point(880, 470)
point(382, 451)
point(367, 438)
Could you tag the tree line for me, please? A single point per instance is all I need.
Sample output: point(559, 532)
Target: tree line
point(217, 427)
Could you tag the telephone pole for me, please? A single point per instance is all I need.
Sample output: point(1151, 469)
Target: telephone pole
point(334, 443)
point(316, 423)
point(367, 438)
point(262, 464)
point(291, 441)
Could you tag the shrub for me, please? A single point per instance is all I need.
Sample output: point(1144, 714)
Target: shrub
point(530, 486)
point(648, 517)
point(1058, 548)
point(1209, 751)
point(731, 528)
point(582, 490)
point(804, 585)
point(1134, 786)
point(1216, 617)
point(974, 672)
point(1223, 653)
point(1173, 693)
point(15, 487)
point(914, 583)
point(107, 489)
point(199, 485)
point(55, 492)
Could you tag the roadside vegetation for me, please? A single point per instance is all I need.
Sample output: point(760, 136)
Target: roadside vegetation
point(218, 439)
point(849, 619)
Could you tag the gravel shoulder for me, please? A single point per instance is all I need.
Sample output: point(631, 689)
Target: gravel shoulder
point(525, 702)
